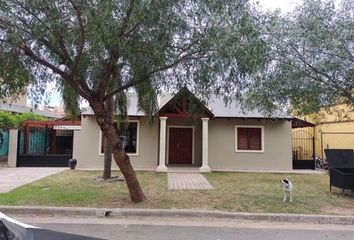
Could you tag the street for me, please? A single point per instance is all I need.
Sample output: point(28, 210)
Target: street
point(186, 228)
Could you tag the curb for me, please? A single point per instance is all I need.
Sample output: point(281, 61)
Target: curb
point(121, 212)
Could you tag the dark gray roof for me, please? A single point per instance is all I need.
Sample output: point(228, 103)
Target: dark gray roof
point(24, 109)
point(215, 104)
point(133, 109)
point(234, 110)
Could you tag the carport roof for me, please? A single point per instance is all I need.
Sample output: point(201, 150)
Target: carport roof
point(299, 123)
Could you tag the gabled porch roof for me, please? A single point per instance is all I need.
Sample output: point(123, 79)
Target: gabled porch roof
point(181, 106)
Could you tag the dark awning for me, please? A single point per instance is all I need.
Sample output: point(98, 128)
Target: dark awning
point(299, 123)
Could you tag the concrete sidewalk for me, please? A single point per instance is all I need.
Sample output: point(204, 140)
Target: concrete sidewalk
point(11, 178)
point(118, 212)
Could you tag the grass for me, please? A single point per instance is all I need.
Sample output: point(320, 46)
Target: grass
point(243, 192)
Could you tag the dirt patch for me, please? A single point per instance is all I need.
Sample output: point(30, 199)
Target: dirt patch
point(337, 210)
point(112, 179)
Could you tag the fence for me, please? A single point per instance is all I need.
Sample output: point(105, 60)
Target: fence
point(4, 143)
point(303, 149)
point(45, 145)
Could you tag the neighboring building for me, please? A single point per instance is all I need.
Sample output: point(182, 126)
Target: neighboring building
point(334, 129)
point(18, 106)
point(20, 100)
point(216, 137)
point(4, 134)
point(15, 109)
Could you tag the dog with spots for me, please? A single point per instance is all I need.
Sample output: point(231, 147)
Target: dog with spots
point(287, 188)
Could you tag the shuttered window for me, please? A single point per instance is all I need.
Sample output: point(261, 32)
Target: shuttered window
point(249, 138)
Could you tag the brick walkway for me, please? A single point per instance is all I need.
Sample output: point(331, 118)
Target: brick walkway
point(187, 181)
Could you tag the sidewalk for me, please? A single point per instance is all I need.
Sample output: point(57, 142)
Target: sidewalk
point(103, 212)
point(12, 178)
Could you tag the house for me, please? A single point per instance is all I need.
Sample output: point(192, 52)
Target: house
point(187, 132)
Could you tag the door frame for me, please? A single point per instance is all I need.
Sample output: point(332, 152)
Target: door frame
point(168, 142)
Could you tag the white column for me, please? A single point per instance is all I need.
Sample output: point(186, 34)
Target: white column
point(162, 158)
point(12, 155)
point(205, 167)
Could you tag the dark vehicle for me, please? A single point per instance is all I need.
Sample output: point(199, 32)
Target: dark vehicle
point(11, 229)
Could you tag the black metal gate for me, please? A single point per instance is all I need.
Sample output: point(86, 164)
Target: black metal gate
point(303, 149)
point(44, 146)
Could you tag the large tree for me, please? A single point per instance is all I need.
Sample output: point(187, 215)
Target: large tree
point(96, 49)
point(311, 53)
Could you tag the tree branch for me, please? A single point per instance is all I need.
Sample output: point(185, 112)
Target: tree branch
point(81, 44)
point(126, 20)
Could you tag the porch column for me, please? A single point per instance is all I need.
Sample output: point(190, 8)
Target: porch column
point(205, 167)
point(162, 158)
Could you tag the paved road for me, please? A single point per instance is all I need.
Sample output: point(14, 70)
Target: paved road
point(184, 229)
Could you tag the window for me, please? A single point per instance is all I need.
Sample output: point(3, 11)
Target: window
point(249, 139)
point(128, 133)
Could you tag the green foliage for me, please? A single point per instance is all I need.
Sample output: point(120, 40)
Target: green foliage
point(28, 116)
point(13, 75)
point(312, 58)
point(102, 48)
point(7, 121)
point(71, 100)
point(11, 121)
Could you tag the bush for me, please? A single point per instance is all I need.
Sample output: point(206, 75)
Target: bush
point(10, 121)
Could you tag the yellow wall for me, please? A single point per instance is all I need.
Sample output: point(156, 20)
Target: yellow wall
point(334, 129)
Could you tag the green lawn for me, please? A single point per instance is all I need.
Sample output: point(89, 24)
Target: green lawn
point(243, 192)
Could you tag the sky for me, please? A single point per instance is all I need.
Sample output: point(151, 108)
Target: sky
point(284, 5)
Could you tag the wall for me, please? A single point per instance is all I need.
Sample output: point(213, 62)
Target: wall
point(277, 146)
point(87, 144)
point(222, 155)
point(12, 155)
point(334, 135)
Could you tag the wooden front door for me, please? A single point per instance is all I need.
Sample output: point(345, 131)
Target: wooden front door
point(180, 149)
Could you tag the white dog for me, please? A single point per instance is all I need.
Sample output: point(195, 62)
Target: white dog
point(287, 187)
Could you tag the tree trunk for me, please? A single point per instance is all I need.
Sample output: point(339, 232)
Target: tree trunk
point(107, 166)
point(120, 156)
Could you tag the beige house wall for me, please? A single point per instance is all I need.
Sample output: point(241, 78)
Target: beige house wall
point(222, 155)
point(87, 146)
point(277, 146)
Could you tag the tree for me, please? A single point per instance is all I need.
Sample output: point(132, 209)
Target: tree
point(107, 169)
point(311, 53)
point(97, 49)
